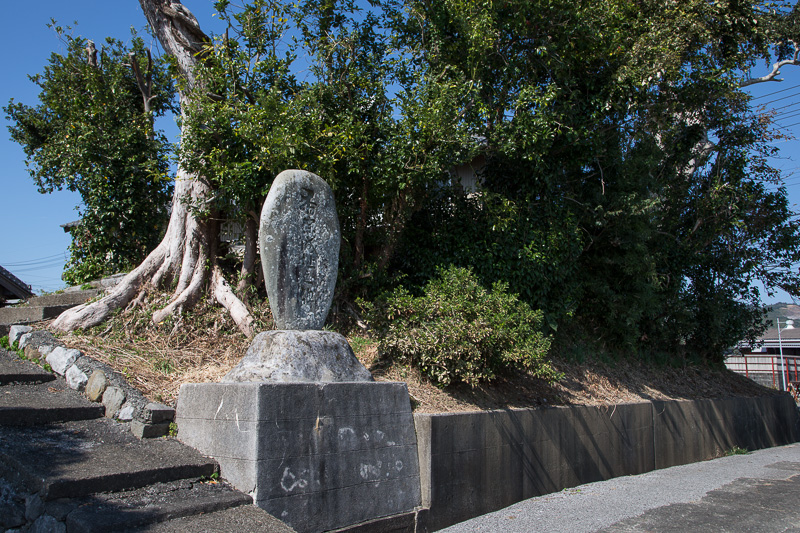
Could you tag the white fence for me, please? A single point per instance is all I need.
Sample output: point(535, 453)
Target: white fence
point(767, 368)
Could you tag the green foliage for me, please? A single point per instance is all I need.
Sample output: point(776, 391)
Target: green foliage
point(459, 331)
point(91, 134)
point(359, 119)
point(4, 342)
point(736, 450)
point(624, 189)
point(625, 123)
point(528, 245)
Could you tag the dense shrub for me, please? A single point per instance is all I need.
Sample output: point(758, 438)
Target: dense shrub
point(533, 246)
point(458, 331)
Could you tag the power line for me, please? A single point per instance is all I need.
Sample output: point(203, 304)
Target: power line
point(785, 107)
point(35, 261)
point(37, 268)
point(790, 125)
point(784, 117)
point(782, 98)
point(775, 92)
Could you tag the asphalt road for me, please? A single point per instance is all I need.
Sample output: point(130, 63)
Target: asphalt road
point(755, 492)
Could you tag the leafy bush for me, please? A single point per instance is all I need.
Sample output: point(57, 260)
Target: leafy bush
point(459, 331)
point(533, 246)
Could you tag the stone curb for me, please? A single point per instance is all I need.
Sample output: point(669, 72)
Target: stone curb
point(96, 380)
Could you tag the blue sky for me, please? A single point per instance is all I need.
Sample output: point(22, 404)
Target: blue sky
point(32, 244)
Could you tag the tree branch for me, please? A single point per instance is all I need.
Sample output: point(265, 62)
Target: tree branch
point(145, 85)
point(776, 69)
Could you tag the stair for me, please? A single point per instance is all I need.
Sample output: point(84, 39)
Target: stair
point(43, 307)
point(67, 468)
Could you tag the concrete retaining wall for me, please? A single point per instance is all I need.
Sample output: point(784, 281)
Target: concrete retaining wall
point(475, 463)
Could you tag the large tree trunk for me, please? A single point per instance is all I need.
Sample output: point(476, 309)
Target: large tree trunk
point(187, 253)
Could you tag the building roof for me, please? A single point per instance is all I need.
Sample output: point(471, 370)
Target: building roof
point(69, 225)
point(789, 338)
point(11, 287)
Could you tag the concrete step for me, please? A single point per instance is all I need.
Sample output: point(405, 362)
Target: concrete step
point(78, 458)
point(15, 370)
point(239, 519)
point(29, 404)
point(29, 395)
point(141, 508)
point(43, 308)
point(70, 298)
point(66, 467)
point(30, 314)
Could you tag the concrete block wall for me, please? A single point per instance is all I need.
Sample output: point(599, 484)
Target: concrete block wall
point(474, 463)
point(766, 379)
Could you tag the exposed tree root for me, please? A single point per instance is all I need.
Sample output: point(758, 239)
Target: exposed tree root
point(186, 252)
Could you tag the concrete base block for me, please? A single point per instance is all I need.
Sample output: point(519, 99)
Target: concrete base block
point(149, 431)
point(318, 456)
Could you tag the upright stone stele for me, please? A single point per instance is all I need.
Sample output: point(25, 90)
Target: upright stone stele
point(288, 424)
point(299, 239)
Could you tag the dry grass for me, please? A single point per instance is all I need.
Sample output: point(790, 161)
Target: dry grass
point(204, 345)
point(198, 347)
point(591, 383)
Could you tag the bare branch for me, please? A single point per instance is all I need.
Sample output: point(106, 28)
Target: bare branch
point(776, 69)
point(91, 53)
point(145, 84)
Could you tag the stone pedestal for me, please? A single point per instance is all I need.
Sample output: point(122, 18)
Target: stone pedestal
point(298, 356)
point(319, 456)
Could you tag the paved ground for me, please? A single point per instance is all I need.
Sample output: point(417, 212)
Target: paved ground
point(759, 491)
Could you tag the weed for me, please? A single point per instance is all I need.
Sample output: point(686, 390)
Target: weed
point(213, 478)
point(164, 366)
point(173, 429)
point(4, 342)
point(358, 343)
point(47, 367)
point(737, 451)
point(460, 331)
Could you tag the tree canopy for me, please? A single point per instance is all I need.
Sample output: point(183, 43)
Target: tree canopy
point(625, 189)
point(624, 186)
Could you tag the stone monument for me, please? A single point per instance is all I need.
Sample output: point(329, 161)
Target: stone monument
point(299, 239)
point(299, 423)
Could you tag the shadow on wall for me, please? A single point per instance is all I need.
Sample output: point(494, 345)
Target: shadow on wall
point(475, 463)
